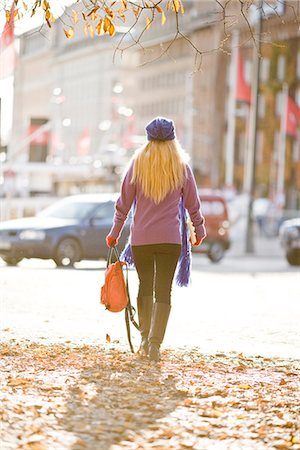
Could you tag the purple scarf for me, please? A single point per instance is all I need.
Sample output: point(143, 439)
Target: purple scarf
point(183, 271)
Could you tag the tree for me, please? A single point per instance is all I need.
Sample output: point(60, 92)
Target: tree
point(102, 17)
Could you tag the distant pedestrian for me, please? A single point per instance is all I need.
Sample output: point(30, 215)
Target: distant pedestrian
point(157, 181)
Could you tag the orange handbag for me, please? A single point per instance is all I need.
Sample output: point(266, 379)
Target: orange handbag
point(115, 291)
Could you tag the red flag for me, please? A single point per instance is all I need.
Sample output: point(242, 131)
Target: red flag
point(7, 50)
point(84, 143)
point(7, 35)
point(292, 117)
point(243, 91)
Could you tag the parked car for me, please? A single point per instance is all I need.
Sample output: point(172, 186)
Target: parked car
point(74, 229)
point(70, 230)
point(290, 240)
point(215, 211)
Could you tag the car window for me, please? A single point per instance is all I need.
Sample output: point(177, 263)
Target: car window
point(68, 210)
point(214, 208)
point(104, 211)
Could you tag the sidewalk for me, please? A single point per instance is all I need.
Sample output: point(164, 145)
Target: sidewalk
point(64, 397)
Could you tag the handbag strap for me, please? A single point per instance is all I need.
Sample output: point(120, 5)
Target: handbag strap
point(129, 310)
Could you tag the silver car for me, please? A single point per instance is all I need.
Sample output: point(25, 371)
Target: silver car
point(290, 240)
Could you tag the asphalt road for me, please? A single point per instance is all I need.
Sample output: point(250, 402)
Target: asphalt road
point(243, 304)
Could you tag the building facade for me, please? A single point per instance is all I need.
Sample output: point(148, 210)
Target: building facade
point(77, 108)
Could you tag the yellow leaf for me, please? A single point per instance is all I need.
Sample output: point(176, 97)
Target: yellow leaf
point(25, 6)
point(188, 402)
point(158, 8)
point(107, 337)
point(99, 27)
point(45, 5)
point(148, 23)
point(244, 386)
point(69, 33)
point(163, 18)
point(122, 17)
point(112, 29)
point(37, 446)
point(136, 11)
point(18, 381)
point(168, 433)
point(7, 16)
point(176, 5)
point(74, 17)
point(124, 4)
point(91, 30)
point(106, 25)
point(93, 16)
point(109, 12)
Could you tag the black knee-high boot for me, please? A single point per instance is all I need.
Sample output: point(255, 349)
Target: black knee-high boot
point(160, 317)
point(145, 306)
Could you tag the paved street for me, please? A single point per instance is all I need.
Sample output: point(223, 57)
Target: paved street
point(228, 380)
point(243, 304)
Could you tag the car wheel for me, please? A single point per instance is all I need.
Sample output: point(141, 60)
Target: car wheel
point(293, 258)
point(11, 261)
point(67, 253)
point(216, 252)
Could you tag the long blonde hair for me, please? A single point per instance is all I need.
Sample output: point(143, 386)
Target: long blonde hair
point(159, 168)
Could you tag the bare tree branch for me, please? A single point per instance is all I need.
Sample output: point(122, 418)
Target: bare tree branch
point(115, 12)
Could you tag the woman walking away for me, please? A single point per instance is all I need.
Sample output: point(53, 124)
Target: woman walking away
point(157, 180)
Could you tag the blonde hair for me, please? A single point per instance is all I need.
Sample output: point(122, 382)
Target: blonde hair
point(159, 168)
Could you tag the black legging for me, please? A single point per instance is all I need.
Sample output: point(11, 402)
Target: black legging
point(155, 265)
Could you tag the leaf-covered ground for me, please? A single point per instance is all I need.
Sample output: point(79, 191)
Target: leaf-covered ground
point(88, 397)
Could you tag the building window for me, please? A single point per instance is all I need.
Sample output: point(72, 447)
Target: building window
point(262, 106)
point(281, 67)
point(265, 70)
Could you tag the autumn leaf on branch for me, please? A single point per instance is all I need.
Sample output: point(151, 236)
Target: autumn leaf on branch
point(130, 20)
point(69, 33)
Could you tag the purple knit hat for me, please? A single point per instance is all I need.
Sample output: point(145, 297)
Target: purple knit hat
point(160, 129)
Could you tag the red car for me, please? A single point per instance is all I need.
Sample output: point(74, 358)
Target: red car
point(217, 241)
